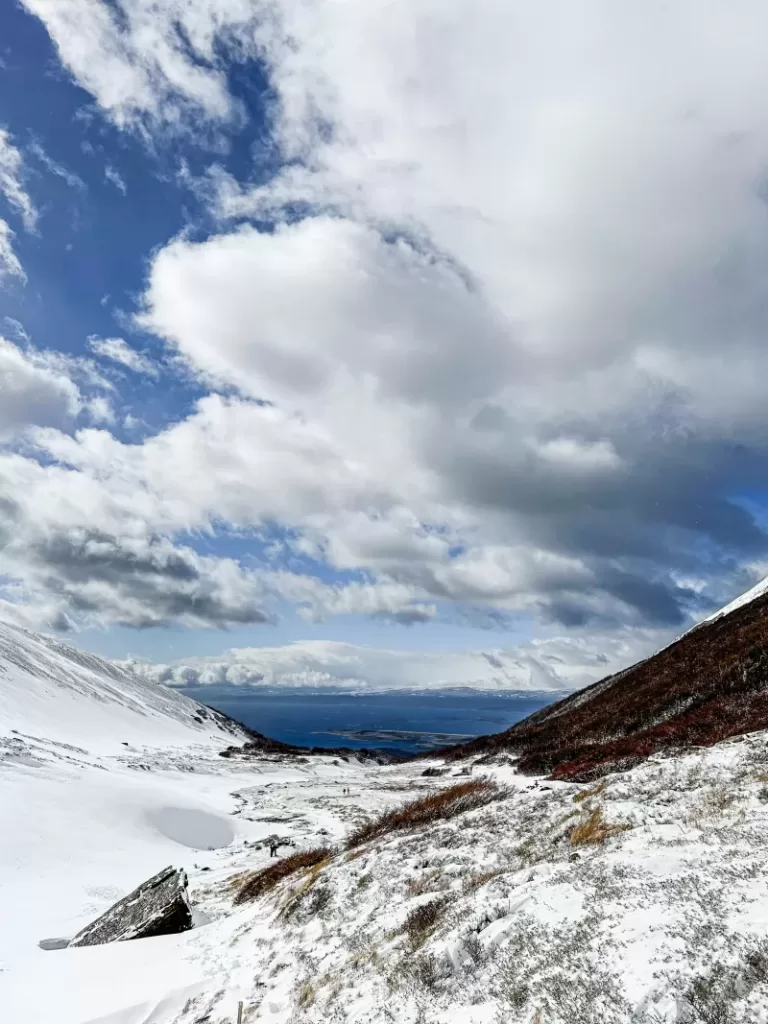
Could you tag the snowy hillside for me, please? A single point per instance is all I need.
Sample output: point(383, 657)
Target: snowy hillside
point(94, 788)
point(641, 900)
point(438, 891)
point(53, 691)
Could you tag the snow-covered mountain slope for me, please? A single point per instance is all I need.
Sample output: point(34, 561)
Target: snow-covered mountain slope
point(709, 684)
point(105, 779)
point(642, 899)
point(52, 691)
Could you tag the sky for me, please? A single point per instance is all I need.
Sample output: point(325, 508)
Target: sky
point(381, 332)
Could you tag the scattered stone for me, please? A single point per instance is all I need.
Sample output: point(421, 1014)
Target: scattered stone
point(432, 773)
point(53, 943)
point(158, 907)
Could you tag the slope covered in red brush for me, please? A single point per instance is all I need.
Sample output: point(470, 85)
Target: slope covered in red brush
point(710, 684)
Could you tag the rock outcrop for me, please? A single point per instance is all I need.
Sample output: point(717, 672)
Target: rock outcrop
point(158, 906)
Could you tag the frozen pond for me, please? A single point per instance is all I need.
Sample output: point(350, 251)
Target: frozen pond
point(199, 830)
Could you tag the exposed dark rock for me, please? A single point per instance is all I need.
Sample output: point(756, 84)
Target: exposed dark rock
point(434, 772)
point(260, 746)
point(158, 907)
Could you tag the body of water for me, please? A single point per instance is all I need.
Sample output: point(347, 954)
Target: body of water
point(395, 720)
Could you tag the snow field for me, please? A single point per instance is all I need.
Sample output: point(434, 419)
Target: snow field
point(640, 899)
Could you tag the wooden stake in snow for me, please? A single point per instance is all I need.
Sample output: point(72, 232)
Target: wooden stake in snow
point(239, 1013)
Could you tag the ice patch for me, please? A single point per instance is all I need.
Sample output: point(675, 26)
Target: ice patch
point(199, 830)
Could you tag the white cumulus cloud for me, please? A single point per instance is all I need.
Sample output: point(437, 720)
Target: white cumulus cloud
point(501, 348)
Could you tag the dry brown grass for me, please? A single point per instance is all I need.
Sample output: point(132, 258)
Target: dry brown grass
point(472, 882)
point(263, 881)
point(720, 798)
point(306, 995)
point(429, 881)
point(706, 687)
point(593, 830)
point(354, 855)
point(300, 894)
point(587, 794)
point(711, 805)
point(423, 920)
point(234, 882)
point(440, 806)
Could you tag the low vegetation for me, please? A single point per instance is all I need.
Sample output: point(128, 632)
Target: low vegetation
point(593, 829)
point(308, 899)
point(440, 806)
point(714, 996)
point(422, 921)
point(260, 882)
point(709, 685)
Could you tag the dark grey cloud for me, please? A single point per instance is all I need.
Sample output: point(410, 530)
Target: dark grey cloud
point(85, 555)
point(669, 510)
point(134, 582)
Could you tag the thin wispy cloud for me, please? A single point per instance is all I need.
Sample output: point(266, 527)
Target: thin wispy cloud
point(10, 265)
point(36, 150)
point(12, 181)
point(114, 177)
point(119, 351)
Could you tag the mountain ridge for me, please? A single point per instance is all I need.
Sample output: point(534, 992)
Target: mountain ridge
point(708, 685)
point(58, 691)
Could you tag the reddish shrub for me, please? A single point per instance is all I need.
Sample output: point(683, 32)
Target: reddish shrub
point(266, 879)
point(710, 684)
point(446, 803)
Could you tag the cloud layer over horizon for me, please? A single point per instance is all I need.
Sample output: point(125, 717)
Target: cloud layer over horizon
point(553, 666)
point(475, 334)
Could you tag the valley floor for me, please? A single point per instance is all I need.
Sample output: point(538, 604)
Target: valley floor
point(640, 899)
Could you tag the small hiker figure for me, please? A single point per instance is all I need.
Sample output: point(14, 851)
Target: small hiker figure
point(273, 844)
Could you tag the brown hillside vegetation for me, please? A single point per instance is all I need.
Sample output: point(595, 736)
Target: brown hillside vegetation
point(710, 684)
point(260, 882)
point(440, 806)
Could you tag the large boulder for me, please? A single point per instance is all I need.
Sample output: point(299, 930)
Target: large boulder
point(159, 906)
